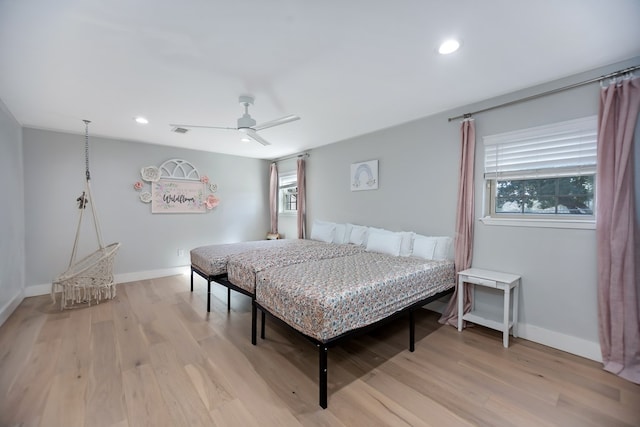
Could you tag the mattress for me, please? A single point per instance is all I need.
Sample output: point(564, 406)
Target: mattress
point(212, 259)
point(327, 298)
point(243, 267)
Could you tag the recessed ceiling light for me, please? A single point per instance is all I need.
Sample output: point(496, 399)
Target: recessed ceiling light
point(448, 46)
point(142, 120)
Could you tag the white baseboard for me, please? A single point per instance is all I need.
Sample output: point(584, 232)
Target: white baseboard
point(44, 289)
point(10, 307)
point(557, 340)
point(570, 344)
point(151, 274)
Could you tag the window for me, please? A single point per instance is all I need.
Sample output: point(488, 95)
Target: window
point(542, 173)
point(288, 193)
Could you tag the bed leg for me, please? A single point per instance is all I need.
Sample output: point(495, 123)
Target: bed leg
point(192, 280)
point(208, 295)
point(254, 319)
point(228, 299)
point(412, 331)
point(322, 382)
point(263, 322)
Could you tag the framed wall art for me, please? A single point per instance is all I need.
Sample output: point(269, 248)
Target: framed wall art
point(364, 176)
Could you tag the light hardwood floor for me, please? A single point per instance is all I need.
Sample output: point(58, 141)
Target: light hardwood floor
point(154, 357)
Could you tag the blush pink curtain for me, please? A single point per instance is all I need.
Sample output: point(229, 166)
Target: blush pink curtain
point(273, 197)
point(302, 196)
point(617, 230)
point(464, 219)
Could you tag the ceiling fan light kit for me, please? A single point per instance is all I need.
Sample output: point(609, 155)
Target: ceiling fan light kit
point(246, 124)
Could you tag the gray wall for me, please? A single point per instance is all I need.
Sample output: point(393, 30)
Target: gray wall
point(418, 177)
point(54, 178)
point(12, 254)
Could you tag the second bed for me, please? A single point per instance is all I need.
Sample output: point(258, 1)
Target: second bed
point(334, 299)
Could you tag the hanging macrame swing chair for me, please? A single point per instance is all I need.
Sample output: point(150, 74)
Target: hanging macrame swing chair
point(91, 278)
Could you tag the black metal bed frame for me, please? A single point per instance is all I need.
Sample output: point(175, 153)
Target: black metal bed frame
point(323, 346)
point(222, 280)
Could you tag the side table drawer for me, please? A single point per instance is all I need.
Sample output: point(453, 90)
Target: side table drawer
point(479, 281)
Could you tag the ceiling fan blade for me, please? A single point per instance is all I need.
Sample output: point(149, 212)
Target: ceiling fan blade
point(277, 122)
point(198, 126)
point(252, 134)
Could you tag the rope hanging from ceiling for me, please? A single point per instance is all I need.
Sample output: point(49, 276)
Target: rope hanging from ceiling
point(89, 279)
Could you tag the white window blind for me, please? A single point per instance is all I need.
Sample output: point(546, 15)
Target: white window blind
point(560, 149)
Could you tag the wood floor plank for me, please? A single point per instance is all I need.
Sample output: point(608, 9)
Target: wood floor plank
point(137, 296)
point(210, 384)
point(172, 330)
point(104, 406)
point(101, 312)
point(65, 405)
point(247, 384)
point(27, 396)
point(154, 356)
point(417, 403)
point(181, 398)
point(75, 354)
point(360, 404)
point(17, 338)
point(492, 384)
point(234, 413)
point(131, 346)
point(193, 321)
point(145, 405)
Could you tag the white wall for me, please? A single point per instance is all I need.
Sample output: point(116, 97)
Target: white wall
point(418, 178)
point(54, 178)
point(12, 253)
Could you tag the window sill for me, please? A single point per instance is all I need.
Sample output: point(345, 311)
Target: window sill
point(541, 223)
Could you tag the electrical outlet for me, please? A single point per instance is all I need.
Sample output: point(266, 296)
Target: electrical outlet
point(180, 252)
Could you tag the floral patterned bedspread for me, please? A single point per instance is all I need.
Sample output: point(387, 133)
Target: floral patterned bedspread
point(212, 259)
point(326, 298)
point(243, 267)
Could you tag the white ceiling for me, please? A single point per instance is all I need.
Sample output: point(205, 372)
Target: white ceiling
point(347, 67)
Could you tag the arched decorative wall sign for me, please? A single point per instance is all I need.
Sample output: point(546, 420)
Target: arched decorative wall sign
point(364, 175)
point(177, 187)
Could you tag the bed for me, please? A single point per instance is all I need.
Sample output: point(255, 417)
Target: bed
point(330, 300)
point(210, 262)
point(243, 268)
point(235, 265)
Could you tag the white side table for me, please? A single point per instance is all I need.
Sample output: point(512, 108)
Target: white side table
point(491, 279)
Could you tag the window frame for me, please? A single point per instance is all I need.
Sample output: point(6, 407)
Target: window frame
point(286, 182)
point(528, 219)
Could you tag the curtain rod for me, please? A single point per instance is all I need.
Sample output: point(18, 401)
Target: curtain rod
point(549, 92)
point(305, 155)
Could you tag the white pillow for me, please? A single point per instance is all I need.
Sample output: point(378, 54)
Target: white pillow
point(443, 247)
point(339, 235)
point(424, 247)
point(323, 231)
point(407, 243)
point(383, 241)
point(347, 232)
point(358, 234)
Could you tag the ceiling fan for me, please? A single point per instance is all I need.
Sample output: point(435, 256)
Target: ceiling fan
point(246, 123)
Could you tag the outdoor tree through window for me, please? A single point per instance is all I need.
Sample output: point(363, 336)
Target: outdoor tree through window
point(567, 195)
